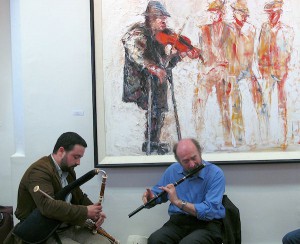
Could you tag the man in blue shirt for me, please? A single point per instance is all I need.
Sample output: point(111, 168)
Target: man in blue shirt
point(195, 209)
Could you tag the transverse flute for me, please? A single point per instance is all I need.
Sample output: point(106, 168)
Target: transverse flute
point(201, 166)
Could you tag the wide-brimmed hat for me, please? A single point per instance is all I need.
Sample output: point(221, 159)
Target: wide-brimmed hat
point(240, 5)
point(216, 5)
point(156, 8)
point(273, 6)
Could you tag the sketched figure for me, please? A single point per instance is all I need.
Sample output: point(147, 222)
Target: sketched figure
point(213, 74)
point(147, 71)
point(274, 54)
point(143, 57)
point(241, 55)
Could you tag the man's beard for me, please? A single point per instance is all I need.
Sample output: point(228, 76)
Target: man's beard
point(190, 170)
point(63, 165)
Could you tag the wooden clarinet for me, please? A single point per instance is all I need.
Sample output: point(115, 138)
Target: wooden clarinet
point(91, 224)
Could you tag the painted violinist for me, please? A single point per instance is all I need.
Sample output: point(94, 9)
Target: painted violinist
point(148, 69)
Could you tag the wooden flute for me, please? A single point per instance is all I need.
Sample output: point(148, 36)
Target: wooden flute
point(201, 166)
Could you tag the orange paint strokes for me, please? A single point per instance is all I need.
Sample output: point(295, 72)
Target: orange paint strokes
point(274, 54)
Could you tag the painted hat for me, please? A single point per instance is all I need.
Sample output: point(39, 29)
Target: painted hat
point(273, 6)
point(216, 5)
point(240, 5)
point(155, 8)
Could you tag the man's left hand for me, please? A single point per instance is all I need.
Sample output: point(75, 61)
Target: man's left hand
point(171, 190)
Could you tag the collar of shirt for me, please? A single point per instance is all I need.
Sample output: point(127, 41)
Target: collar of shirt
point(63, 179)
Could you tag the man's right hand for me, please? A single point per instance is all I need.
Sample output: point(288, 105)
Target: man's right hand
point(147, 196)
point(94, 211)
point(157, 71)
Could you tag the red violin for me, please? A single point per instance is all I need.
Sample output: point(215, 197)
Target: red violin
point(179, 42)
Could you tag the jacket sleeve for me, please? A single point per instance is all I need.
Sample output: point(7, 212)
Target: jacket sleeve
point(48, 181)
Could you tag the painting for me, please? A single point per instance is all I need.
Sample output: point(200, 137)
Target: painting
point(226, 73)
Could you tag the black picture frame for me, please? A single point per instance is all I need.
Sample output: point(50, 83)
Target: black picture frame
point(105, 161)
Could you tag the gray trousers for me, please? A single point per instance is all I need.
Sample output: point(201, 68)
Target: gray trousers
point(78, 235)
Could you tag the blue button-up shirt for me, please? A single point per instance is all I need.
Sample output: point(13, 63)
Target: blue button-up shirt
point(205, 190)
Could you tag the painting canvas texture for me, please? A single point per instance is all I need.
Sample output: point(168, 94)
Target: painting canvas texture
point(226, 73)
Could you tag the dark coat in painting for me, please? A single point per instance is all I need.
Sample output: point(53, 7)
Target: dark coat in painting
point(143, 51)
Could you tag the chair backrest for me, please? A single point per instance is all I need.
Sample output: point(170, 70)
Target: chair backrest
point(231, 223)
point(6, 221)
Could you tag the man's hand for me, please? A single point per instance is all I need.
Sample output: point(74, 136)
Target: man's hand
point(194, 53)
point(159, 72)
point(147, 196)
point(94, 211)
point(100, 220)
point(171, 190)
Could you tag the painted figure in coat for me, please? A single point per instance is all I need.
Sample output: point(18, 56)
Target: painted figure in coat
point(214, 73)
point(241, 56)
point(274, 55)
point(148, 70)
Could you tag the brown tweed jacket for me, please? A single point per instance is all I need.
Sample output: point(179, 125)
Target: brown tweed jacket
point(44, 174)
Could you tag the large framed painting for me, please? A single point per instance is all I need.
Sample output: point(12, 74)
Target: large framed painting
point(226, 73)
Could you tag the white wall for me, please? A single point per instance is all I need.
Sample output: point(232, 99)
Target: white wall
point(50, 78)
point(6, 119)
